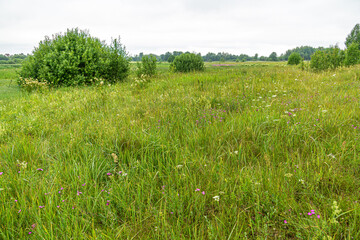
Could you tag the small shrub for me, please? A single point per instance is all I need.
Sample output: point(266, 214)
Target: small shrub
point(147, 66)
point(294, 59)
point(187, 62)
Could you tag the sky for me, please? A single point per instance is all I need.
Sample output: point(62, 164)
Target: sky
point(201, 26)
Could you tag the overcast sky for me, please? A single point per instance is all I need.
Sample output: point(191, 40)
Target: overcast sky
point(157, 26)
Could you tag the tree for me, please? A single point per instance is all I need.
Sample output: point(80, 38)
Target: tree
point(352, 56)
point(354, 36)
point(273, 56)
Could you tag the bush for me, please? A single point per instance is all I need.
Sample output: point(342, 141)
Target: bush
point(187, 62)
point(147, 66)
point(352, 56)
point(294, 59)
point(323, 60)
point(76, 58)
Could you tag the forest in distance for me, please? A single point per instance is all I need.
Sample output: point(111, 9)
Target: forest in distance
point(304, 51)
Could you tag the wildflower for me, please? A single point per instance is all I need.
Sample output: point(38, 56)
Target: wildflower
point(41, 206)
point(78, 193)
point(57, 206)
point(84, 184)
point(19, 211)
point(318, 216)
point(109, 174)
point(216, 198)
point(15, 200)
point(40, 169)
point(30, 232)
point(197, 190)
point(203, 192)
point(1, 173)
point(285, 222)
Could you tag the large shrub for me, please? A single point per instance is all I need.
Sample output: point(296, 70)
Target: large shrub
point(332, 58)
point(187, 62)
point(294, 58)
point(75, 58)
point(147, 66)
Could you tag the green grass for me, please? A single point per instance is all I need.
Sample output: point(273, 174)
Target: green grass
point(8, 86)
point(125, 161)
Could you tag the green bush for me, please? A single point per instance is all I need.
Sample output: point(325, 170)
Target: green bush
point(352, 56)
point(76, 58)
point(294, 59)
point(147, 66)
point(187, 62)
point(332, 58)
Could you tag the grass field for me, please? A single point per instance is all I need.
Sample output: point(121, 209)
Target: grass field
point(247, 151)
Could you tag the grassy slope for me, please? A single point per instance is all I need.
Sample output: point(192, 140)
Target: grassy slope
point(273, 142)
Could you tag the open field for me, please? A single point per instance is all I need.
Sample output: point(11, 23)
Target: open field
point(249, 151)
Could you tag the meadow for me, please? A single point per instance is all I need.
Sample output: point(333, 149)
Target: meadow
point(245, 151)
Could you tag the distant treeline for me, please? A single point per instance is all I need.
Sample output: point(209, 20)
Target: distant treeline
point(304, 51)
point(12, 59)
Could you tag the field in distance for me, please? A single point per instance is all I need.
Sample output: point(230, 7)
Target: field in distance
point(240, 151)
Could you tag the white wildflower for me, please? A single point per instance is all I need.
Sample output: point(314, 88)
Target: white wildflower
point(216, 198)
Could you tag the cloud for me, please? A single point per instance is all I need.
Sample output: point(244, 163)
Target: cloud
point(238, 26)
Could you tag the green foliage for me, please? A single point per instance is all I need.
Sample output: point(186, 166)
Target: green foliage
point(331, 58)
point(188, 62)
point(294, 59)
point(76, 58)
point(319, 61)
point(147, 66)
point(171, 58)
point(352, 54)
point(354, 36)
point(116, 67)
point(304, 51)
point(273, 56)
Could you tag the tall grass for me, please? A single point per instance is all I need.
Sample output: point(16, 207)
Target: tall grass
point(238, 152)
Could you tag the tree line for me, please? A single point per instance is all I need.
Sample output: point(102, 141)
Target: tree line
point(304, 51)
point(12, 59)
